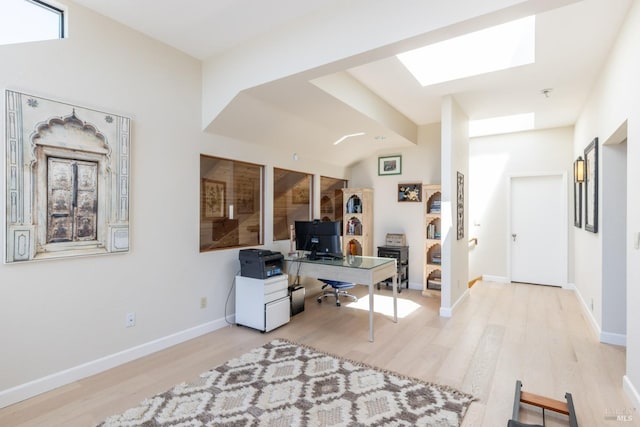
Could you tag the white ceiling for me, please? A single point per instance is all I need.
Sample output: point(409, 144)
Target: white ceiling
point(572, 44)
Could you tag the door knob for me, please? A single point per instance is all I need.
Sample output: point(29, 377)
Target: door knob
point(514, 235)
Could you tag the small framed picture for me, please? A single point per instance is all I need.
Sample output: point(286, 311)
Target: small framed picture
point(390, 165)
point(212, 199)
point(410, 192)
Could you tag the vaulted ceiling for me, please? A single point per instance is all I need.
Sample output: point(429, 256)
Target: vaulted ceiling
point(308, 112)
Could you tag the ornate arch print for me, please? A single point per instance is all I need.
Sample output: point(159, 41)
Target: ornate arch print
point(67, 180)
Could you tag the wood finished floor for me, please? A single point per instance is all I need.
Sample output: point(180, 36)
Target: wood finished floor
point(501, 333)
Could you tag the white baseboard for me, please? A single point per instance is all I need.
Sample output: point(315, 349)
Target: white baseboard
point(58, 379)
point(631, 391)
point(570, 287)
point(499, 279)
point(589, 314)
point(448, 311)
point(613, 338)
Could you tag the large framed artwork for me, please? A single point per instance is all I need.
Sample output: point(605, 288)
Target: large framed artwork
point(67, 179)
point(460, 206)
point(591, 187)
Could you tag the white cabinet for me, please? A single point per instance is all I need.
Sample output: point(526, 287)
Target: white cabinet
point(262, 304)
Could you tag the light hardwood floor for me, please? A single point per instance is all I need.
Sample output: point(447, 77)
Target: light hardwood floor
point(501, 333)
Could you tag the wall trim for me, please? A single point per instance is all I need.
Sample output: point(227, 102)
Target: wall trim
point(448, 311)
point(631, 391)
point(67, 376)
point(499, 279)
point(473, 281)
point(613, 338)
point(589, 314)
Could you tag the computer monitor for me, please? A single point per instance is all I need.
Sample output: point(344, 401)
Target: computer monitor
point(320, 238)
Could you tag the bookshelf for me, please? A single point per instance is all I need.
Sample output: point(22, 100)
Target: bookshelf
point(432, 196)
point(358, 221)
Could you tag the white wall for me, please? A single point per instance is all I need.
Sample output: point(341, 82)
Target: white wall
point(492, 159)
point(63, 319)
point(455, 158)
point(613, 101)
point(419, 164)
point(613, 225)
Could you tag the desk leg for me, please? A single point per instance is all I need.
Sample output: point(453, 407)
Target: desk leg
point(371, 312)
point(395, 298)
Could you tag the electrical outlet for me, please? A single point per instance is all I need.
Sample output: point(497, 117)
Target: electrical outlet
point(130, 320)
point(203, 302)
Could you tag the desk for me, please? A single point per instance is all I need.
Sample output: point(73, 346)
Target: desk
point(357, 269)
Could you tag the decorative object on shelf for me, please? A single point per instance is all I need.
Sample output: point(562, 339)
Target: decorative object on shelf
point(591, 187)
point(392, 239)
point(578, 179)
point(212, 199)
point(410, 192)
point(460, 206)
point(390, 165)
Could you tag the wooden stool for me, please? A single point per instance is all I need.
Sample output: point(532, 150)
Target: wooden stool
point(565, 408)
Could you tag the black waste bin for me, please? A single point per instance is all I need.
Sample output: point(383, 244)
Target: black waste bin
point(296, 294)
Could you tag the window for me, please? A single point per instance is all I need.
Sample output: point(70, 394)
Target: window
point(292, 200)
point(496, 48)
point(230, 203)
point(30, 20)
point(331, 198)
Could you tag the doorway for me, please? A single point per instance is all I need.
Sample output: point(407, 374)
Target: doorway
point(538, 229)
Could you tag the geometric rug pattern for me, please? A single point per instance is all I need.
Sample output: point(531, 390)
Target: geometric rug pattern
point(286, 384)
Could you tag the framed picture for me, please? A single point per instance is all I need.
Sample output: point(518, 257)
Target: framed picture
point(577, 204)
point(460, 206)
point(410, 192)
point(391, 165)
point(212, 199)
point(300, 192)
point(591, 187)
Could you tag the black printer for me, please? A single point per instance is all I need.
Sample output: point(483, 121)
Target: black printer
point(260, 263)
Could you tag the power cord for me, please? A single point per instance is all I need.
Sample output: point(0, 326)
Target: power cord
point(226, 304)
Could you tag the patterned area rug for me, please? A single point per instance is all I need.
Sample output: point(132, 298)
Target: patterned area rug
point(286, 384)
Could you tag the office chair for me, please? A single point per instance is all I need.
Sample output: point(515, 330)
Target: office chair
point(339, 289)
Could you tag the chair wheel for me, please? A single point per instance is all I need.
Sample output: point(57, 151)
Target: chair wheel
point(319, 299)
point(338, 304)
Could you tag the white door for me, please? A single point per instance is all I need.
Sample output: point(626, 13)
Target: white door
point(538, 236)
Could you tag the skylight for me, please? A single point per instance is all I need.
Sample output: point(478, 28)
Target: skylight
point(492, 49)
point(502, 124)
point(30, 20)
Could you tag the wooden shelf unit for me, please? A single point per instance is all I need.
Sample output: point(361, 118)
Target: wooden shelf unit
point(357, 236)
point(432, 196)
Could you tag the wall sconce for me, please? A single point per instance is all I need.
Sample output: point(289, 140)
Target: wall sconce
point(578, 170)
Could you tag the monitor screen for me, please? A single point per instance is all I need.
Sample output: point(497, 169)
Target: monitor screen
point(320, 238)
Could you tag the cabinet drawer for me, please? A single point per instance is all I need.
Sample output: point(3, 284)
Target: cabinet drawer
point(276, 313)
point(275, 295)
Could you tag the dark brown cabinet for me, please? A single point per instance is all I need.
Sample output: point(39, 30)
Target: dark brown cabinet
point(401, 254)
